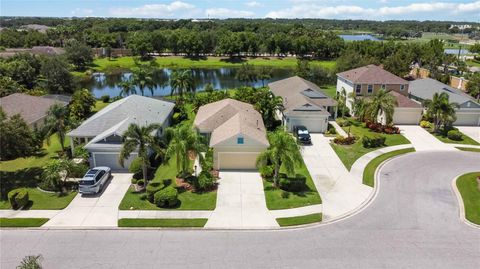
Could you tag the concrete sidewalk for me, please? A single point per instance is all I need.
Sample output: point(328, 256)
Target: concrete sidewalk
point(9, 213)
point(471, 131)
point(339, 129)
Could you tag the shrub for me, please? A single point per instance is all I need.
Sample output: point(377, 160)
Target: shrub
point(373, 142)
point(285, 194)
point(391, 130)
point(331, 130)
point(266, 171)
point(205, 181)
point(207, 162)
point(136, 166)
point(18, 198)
point(343, 122)
point(296, 184)
point(105, 98)
point(141, 182)
point(152, 188)
point(80, 152)
point(167, 197)
point(454, 135)
point(134, 180)
point(425, 124)
point(78, 170)
point(344, 140)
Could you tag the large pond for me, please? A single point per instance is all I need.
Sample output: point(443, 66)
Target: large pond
point(457, 51)
point(358, 37)
point(221, 78)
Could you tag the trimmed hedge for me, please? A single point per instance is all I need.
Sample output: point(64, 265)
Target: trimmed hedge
point(18, 198)
point(167, 197)
point(455, 135)
point(373, 141)
point(296, 184)
point(152, 188)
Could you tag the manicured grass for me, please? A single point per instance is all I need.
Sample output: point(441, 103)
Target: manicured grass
point(274, 199)
point(369, 172)
point(466, 139)
point(330, 90)
point(473, 63)
point(188, 200)
point(125, 63)
point(99, 105)
point(467, 185)
point(293, 221)
point(162, 222)
point(468, 149)
point(350, 153)
point(40, 200)
point(22, 222)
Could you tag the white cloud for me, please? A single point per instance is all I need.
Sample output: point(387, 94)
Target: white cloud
point(228, 13)
point(82, 12)
point(174, 9)
point(254, 4)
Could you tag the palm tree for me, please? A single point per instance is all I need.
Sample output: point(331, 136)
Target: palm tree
point(181, 82)
point(342, 102)
point(441, 110)
point(360, 107)
point(127, 87)
point(143, 77)
point(382, 103)
point(268, 104)
point(141, 139)
point(282, 152)
point(57, 121)
point(183, 141)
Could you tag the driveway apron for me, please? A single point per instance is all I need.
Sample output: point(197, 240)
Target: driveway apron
point(423, 140)
point(471, 131)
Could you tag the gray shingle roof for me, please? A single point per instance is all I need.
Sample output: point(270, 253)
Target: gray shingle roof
point(31, 108)
point(425, 89)
point(117, 116)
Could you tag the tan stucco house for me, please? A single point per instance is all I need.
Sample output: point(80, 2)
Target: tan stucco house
point(235, 131)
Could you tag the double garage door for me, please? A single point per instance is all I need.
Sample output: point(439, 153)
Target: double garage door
point(467, 119)
point(237, 160)
point(410, 116)
point(110, 160)
point(314, 125)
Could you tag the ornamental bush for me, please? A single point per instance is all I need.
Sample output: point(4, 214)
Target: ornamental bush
point(105, 98)
point(141, 182)
point(18, 198)
point(425, 124)
point(152, 188)
point(167, 197)
point(373, 142)
point(205, 181)
point(296, 184)
point(454, 135)
point(266, 171)
point(344, 140)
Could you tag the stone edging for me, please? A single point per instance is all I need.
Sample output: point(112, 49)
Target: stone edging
point(461, 206)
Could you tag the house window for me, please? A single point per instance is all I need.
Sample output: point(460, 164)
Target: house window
point(358, 89)
point(384, 86)
point(240, 140)
point(402, 87)
point(370, 88)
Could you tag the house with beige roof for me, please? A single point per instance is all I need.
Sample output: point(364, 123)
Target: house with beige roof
point(367, 80)
point(304, 103)
point(235, 131)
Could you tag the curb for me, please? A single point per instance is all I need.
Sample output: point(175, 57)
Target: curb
point(461, 206)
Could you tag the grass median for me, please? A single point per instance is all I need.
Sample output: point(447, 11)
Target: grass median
point(300, 220)
point(468, 187)
point(162, 222)
point(22, 222)
point(468, 149)
point(369, 172)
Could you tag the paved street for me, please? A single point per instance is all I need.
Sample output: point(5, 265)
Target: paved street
point(413, 223)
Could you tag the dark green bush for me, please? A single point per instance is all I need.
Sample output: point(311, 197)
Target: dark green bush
point(105, 98)
point(285, 194)
point(18, 198)
point(167, 197)
point(296, 184)
point(205, 181)
point(454, 135)
point(373, 141)
point(136, 166)
point(134, 180)
point(152, 188)
point(141, 182)
point(79, 170)
point(266, 171)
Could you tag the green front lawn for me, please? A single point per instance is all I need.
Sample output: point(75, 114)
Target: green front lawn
point(468, 149)
point(22, 222)
point(467, 185)
point(162, 222)
point(369, 172)
point(99, 105)
point(274, 199)
point(40, 200)
point(293, 221)
point(188, 200)
point(466, 139)
point(330, 90)
point(350, 153)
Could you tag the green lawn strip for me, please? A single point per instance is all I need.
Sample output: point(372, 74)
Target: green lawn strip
point(274, 199)
point(22, 222)
point(466, 139)
point(468, 149)
point(467, 186)
point(369, 172)
point(99, 105)
point(350, 153)
point(162, 222)
point(330, 90)
point(40, 200)
point(293, 221)
point(188, 200)
point(473, 63)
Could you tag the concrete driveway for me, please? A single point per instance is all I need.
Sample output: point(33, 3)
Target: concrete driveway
point(421, 139)
point(99, 210)
point(241, 202)
point(471, 131)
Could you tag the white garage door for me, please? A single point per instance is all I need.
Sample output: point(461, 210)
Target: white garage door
point(407, 116)
point(314, 125)
point(467, 119)
point(111, 160)
point(237, 160)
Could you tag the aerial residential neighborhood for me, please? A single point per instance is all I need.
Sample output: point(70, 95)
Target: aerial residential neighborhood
point(239, 134)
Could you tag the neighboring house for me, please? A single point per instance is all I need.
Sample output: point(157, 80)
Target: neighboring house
point(468, 112)
point(103, 132)
point(304, 103)
point(33, 109)
point(366, 81)
point(236, 133)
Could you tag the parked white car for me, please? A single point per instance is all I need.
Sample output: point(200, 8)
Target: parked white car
point(94, 180)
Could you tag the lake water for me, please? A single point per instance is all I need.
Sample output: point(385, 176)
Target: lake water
point(222, 78)
point(358, 37)
point(455, 51)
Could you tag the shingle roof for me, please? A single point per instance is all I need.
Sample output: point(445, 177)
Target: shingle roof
point(227, 118)
point(425, 89)
point(132, 109)
point(371, 74)
point(301, 95)
point(31, 108)
point(403, 101)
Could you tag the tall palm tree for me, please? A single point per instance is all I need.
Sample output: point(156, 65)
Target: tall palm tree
point(143, 77)
point(360, 106)
point(282, 152)
point(382, 103)
point(181, 82)
point(127, 87)
point(268, 104)
point(141, 139)
point(342, 102)
point(182, 141)
point(441, 110)
point(57, 121)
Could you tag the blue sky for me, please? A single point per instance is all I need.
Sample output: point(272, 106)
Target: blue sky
point(456, 10)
